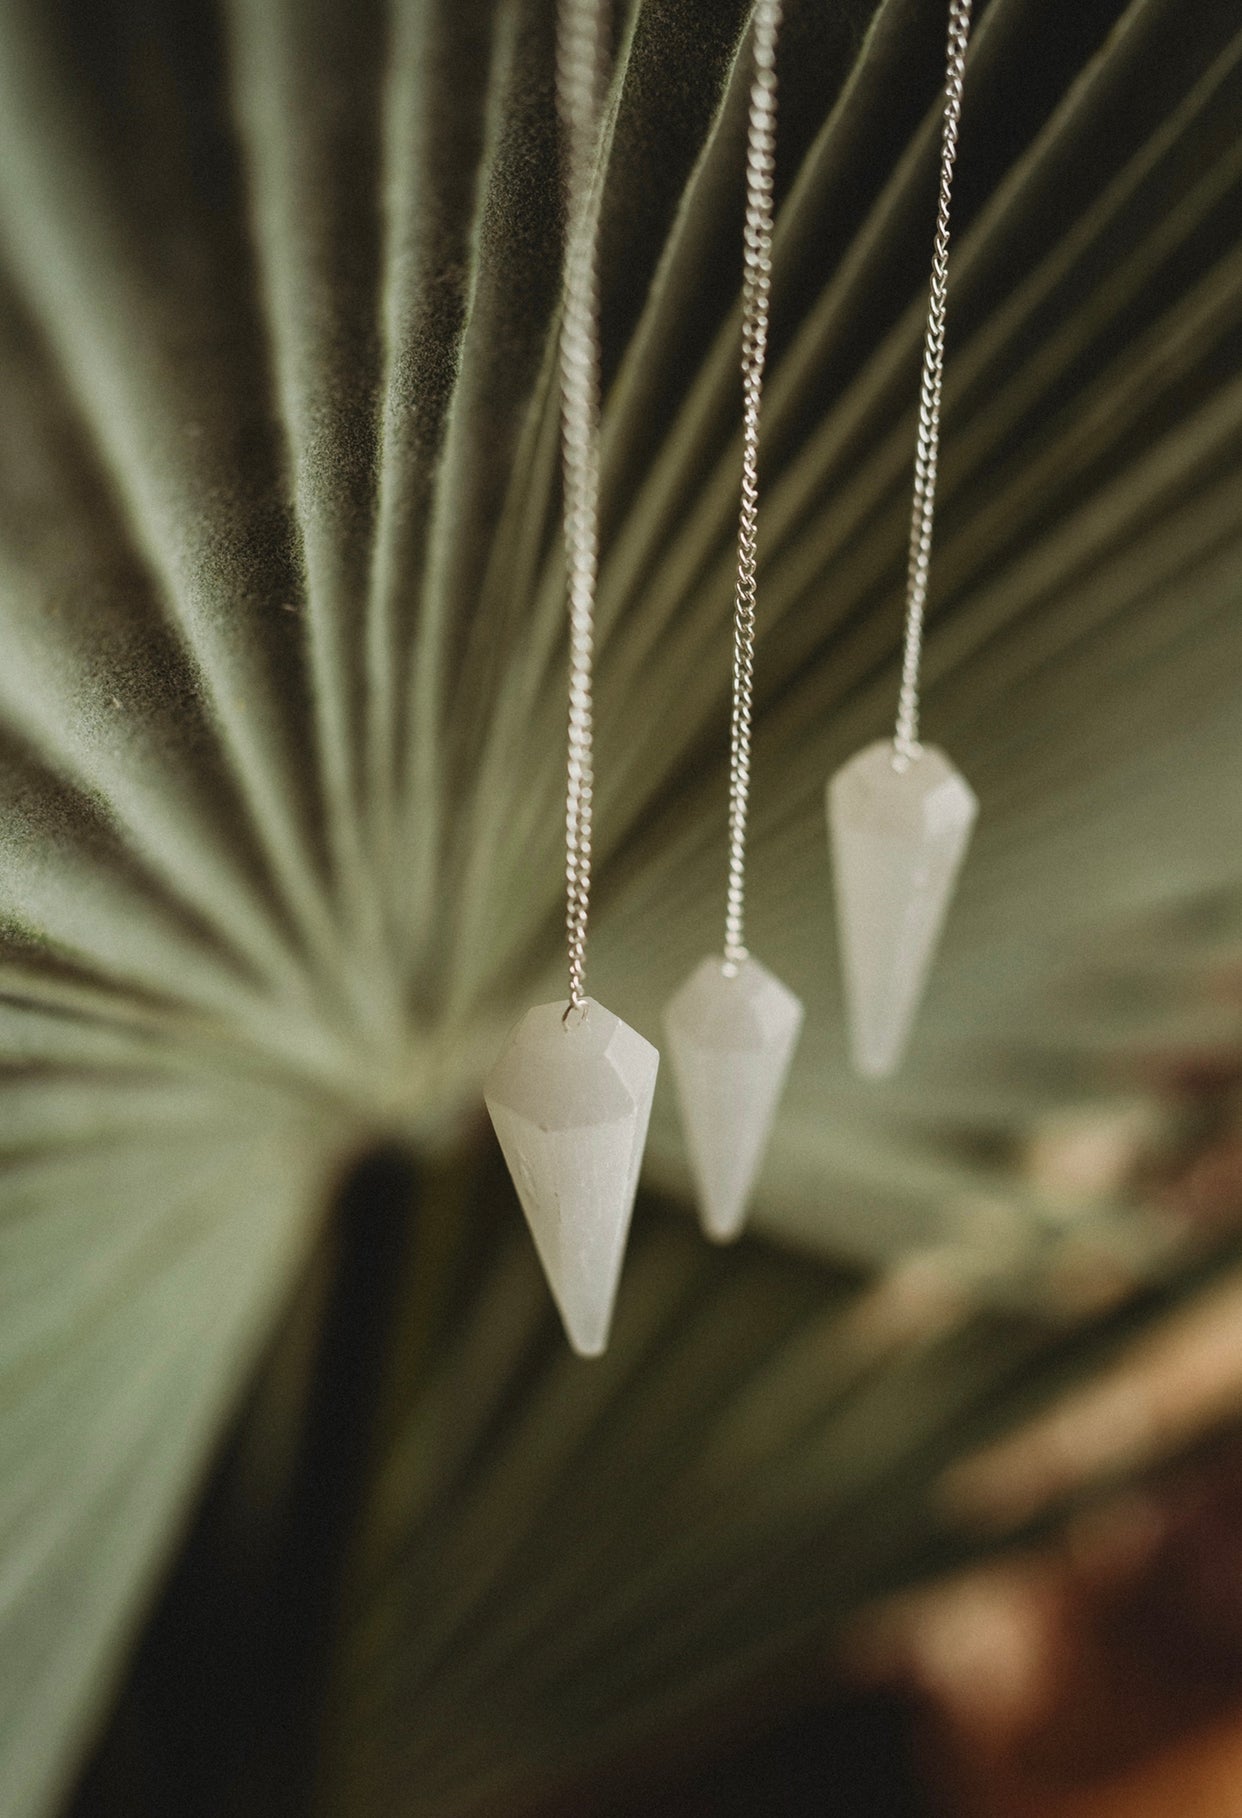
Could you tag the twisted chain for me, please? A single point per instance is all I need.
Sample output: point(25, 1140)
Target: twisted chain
point(927, 448)
point(579, 62)
point(756, 309)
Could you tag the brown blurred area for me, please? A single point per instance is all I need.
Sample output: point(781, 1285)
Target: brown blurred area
point(1097, 1675)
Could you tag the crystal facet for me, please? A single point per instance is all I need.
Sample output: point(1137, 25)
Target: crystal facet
point(570, 1102)
point(730, 1038)
point(898, 836)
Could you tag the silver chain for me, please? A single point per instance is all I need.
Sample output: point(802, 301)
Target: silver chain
point(927, 448)
point(756, 309)
point(579, 65)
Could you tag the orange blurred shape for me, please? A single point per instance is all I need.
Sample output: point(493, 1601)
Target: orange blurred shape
point(1198, 1776)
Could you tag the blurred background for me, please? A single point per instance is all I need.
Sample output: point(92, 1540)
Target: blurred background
point(925, 1497)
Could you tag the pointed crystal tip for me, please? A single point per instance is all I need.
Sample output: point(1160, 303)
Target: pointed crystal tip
point(570, 1101)
point(898, 839)
point(731, 1037)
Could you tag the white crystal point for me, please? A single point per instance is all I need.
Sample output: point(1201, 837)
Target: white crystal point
point(570, 1102)
point(730, 1040)
point(898, 838)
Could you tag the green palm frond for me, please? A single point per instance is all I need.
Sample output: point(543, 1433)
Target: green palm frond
point(282, 721)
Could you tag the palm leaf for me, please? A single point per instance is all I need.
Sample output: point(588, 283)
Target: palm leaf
point(281, 715)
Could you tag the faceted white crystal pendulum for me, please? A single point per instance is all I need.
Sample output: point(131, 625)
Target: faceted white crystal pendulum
point(731, 1035)
point(732, 1027)
point(899, 815)
point(899, 833)
point(570, 1098)
point(570, 1095)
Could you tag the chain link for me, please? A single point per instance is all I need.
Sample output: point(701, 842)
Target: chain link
point(580, 48)
point(927, 448)
point(579, 66)
point(756, 310)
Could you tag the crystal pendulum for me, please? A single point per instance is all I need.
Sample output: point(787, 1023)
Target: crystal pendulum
point(732, 1027)
point(569, 1099)
point(570, 1095)
point(899, 815)
point(899, 834)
